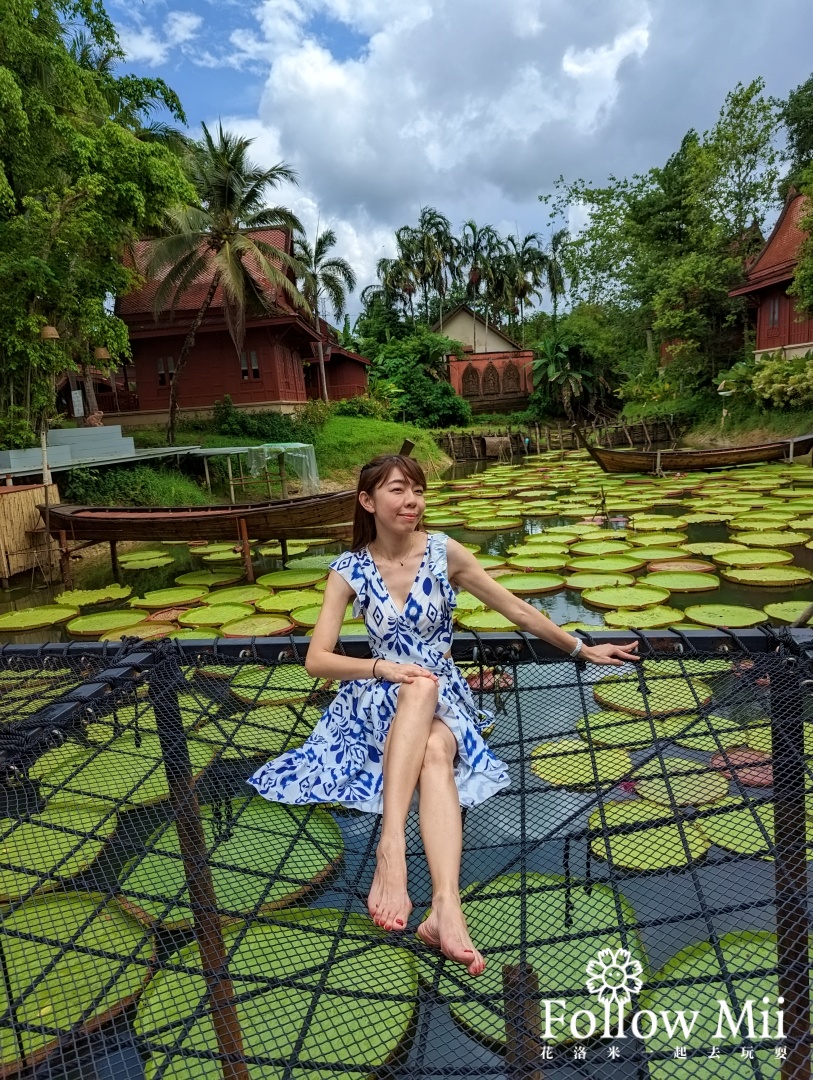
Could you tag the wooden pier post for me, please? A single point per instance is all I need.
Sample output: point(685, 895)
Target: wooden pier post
point(241, 525)
point(114, 559)
point(65, 559)
point(520, 987)
point(283, 476)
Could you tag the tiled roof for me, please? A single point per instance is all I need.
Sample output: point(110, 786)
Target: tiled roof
point(140, 302)
point(777, 260)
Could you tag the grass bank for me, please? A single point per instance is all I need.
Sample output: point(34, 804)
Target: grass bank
point(747, 428)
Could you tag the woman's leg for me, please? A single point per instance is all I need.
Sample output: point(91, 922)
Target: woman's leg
point(388, 903)
point(442, 833)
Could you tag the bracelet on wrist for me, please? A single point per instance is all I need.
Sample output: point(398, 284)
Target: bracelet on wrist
point(376, 677)
point(577, 649)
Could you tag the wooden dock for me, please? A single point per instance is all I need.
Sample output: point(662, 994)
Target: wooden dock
point(505, 445)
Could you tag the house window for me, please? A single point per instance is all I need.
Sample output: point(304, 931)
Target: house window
point(171, 367)
point(243, 366)
point(773, 312)
point(162, 375)
point(255, 367)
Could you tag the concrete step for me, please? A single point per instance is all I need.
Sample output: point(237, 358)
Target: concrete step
point(112, 448)
point(32, 459)
point(81, 436)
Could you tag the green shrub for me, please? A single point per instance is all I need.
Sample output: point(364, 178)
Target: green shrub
point(363, 405)
point(785, 381)
point(138, 486)
point(16, 433)
point(269, 427)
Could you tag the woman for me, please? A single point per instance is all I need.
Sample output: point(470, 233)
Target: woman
point(406, 721)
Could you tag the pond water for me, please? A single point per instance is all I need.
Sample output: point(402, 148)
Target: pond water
point(563, 491)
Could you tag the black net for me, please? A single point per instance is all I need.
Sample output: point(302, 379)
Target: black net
point(639, 891)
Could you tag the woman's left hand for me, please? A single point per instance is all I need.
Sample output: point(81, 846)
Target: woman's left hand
point(609, 654)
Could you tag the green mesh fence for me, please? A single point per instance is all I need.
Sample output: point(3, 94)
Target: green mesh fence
point(639, 891)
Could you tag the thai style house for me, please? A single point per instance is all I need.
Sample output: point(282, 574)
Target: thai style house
point(779, 327)
point(277, 367)
point(496, 373)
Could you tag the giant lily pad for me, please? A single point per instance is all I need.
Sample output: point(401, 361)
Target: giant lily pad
point(769, 539)
point(660, 539)
point(46, 849)
point(708, 733)
point(309, 616)
point(713, 547)
point(532, 584)
point(658, 844)
point(534, 918)
point(594, 580)
point(217, 558)
point(144, 631)
point(258, 626)
point(665, 697)
point(493, 524)
point(490, 562)
point(466, 601)
point(752, 768)
point(288, 600)
point(240, 594)
point(770, 576)
point(215, 614)
point(303, 1013)
point(608, 564)
point(35, 618)
point(129, 770)
point(310, 562)
point(569, 763)
point(617, 729)
point(102, 622)
point(264, 732)
point(538, 562)
point(282, 684)
point(486, 621)
point(290, 849)
point(600, 547)
point(77, 598)
point(153, 563)
point(788, 611)
point(651, 618)
point(684, 565)
point(706, 667)
point(291, 579)
point(197, 633)
point(625, 596)
point(732, 616)
point(90, 959)
point(210, 578)
point(211, 548)
point(185, 595)
point(681, 581)
point(656, 554)
point(746, 828)
point(753, 557)
point(679, 780)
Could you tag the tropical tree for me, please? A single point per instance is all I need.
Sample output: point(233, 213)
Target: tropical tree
point(215, 240)
point(553, 270)
point(525, 269)
point(323, 275)
point(480, 244)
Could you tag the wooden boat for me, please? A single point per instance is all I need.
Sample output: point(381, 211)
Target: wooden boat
point(315, 515)
point(660, 461)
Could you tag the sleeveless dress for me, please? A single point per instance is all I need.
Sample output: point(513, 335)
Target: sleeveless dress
point(341, 762)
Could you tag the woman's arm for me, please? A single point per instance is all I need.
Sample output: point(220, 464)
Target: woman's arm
point(321, 660)
point(468, 574)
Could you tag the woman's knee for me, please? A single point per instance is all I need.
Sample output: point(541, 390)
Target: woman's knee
point(441, 747)
point(421, 692)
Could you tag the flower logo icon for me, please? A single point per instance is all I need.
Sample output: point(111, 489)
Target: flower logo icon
point(614, 976)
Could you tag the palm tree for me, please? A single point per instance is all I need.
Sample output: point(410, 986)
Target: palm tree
point(212, 241)
point(527, 266)
point(319, 275)
point(480, 245)
point(438, 250)
point(553, 270)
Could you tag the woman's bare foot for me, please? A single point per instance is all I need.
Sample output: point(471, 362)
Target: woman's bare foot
point(446, 929)
point(388, 903)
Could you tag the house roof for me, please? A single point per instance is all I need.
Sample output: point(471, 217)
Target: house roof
point(777, 260)
point(437, 329)
point(140, 302)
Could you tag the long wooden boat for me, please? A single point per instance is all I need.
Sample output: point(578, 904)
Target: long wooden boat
point(660, 461)
point(315, 515)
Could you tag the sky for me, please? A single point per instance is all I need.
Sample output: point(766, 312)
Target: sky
point(474, 107)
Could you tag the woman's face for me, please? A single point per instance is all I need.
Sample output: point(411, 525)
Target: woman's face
point(398, 503)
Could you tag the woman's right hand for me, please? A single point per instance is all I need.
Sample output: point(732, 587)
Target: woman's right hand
point(392, 671)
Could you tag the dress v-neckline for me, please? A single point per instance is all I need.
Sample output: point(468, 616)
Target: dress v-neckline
point(412, 586)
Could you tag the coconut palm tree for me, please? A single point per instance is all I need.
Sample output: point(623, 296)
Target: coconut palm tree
point(480, 245)
point(553, 271)
point(526, 263)
point(323, 275)
point(214, 241)
point(438, 251)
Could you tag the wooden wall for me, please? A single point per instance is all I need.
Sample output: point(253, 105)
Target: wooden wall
point(22, 536)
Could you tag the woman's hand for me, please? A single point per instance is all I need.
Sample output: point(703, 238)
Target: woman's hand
point(392, 671)
point(609, 654)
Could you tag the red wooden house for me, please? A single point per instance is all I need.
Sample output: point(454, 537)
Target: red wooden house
point(779, 326)
point(275, 369)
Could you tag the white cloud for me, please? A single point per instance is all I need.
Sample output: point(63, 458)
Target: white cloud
point(596, 71)
point(142, 43)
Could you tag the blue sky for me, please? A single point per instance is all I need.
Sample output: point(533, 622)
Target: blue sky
point(471, 106)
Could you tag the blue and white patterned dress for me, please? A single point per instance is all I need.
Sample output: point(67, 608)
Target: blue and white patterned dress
point(341, 762)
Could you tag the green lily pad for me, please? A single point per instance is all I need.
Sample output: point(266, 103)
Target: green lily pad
point(712, 548)
point(129, 770)
point(350, 628)
point(771, 539)
point(197, 633)
point(310, 562)
point(35, 618)
point(91, 959)
point(144, 631)
point(443, 521)
point(665, 697)
point(211, 548)
point(651, 618)
point(48, 848)
point(600, 547)
point(538, 562)
point(681, 581)
point(265, 732)
point(102, 622)
point(533, 918)
point(537, 545)
point(77, 598)
point(570, 763)
point(291, 579)
point(490, 562)
point(625, 596)
point(154, 563)
point(683, 565)
point(613, 728)
point(210, 578)
point(708, 733)
point(160, 598)
point(770, 576)
point(594, 580)
point(282, 684)
point(753, 557)
point(732, 616)
point(308, 616)
point(292, 848)
point(240, 594)
point(215, 614)
point(748, 830)
point(531, 584)
point(802, 524)
point(493, 524)
point(217, 558)
point(486, 621)
point(788, 611)
point(259, 626)
point(652, 847)
point(304, 1016)
point(659, 539)
point(755, 523)
point(656, 522)
point(589, 627)
point(289, 600)
point(658, 554)
point(705, 667)
point(466, 601)
point(688, 783)
point(608, 564)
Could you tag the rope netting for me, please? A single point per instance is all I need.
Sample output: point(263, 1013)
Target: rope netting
point(639, 891)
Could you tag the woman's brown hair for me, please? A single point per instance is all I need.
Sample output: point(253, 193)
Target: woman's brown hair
point(373, 475)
